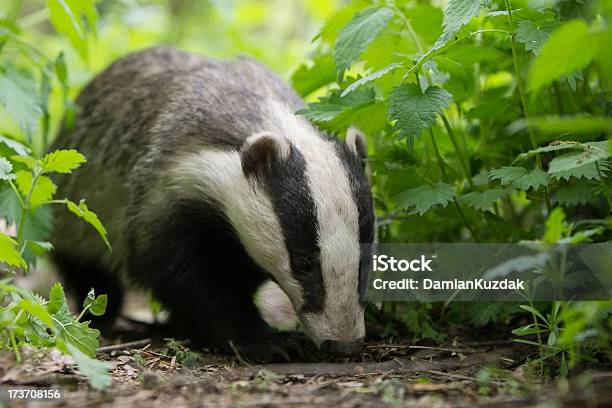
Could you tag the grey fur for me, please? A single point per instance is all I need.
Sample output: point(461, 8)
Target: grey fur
point(144, 125)
point(138, 114)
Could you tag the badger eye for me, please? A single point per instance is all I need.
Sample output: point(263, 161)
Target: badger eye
point(304, 265)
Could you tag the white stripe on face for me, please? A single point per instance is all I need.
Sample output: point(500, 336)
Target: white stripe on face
point(338, 221)
point(218, 174)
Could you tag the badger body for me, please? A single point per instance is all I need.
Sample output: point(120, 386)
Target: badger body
point(209, 184)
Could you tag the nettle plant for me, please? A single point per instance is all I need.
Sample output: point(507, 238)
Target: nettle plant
point(29, 81)
point(482, 119)
point(26, 318)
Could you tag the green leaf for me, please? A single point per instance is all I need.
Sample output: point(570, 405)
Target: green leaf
point(9, 253)
point(556, 227)
point(426, 20)
point(534, 311)
point(39, 247)
point(331, 106)
point(531, 35)
point(456, 15)
point(552, 147)
point(43, 190)
point(590, 163)
point(57, 299)
point(19, 97)
point(96, 371)
point(414, 111)
point(97, 305)
point(424, 197)
point(15, 146)
point(61, 70)
point(79, 334)
point(38, 222)
point(29, 161)
point(62, 161)
point(484, 200)
point(371, 77)
point(564, 169)
point(527, 330)
point(306, 80)
point(568, 49)
point(65, 15)
point(562, 124)
point(37, 311)
point(10, 208)
point(6, 170)
point(520, 177)
point(357, 34)
point(329, 31)
point(90, 217)
point(576, 194)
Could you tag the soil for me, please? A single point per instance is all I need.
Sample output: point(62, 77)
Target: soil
point(470, 370)
point(149, 374)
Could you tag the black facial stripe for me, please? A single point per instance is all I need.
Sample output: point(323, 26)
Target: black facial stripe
point(291, 198)
point(363, 200)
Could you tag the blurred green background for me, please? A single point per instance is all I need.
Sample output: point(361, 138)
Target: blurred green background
point(276, 32)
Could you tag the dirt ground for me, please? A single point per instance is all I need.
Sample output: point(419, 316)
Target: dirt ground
point(481, 374)
point(472, 370)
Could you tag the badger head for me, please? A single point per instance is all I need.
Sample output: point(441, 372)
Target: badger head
point(322, 206)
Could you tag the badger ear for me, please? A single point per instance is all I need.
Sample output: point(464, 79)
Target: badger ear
point(355, 140)
point(261, 150)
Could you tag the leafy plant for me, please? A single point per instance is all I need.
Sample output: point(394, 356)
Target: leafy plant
point(27, 192)
point(487, 121)
point(30, 319)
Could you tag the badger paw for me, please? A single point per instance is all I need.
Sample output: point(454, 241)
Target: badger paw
point(261, 352)
point(276, 346)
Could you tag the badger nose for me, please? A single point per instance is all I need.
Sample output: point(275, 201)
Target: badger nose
point(342, 348)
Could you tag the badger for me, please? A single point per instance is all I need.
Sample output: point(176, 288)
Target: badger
point(209, 184)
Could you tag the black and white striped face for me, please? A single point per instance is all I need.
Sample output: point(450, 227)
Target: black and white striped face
point(323, 206)
point(301, 207)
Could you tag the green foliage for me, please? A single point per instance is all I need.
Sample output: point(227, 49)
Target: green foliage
point(27, 191)
point(183, 355)
point(457, 14)
point(81, 211)
point(579, 193)
point(489, 122)
point(335, 112)
point(95, 305)
point(9, 253)
point(415, 110)
point(483, 200)
point(19, 98)
point(6, 170)
point(73, 18)
point(568, 49)
point(532, 35)
point(29, 319)
point(355, 36)
point(306, 80)
point(424, 197)
point(62, 161)
point(520, 177)
point(40, 190)
point(96, 371)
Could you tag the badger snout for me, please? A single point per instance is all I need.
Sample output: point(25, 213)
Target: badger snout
point(342, 348)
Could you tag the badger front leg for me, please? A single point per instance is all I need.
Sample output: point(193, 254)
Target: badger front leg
point(202, 275)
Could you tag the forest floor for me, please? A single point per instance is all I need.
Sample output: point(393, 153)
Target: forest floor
point(145, 374)
point(472, 369)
